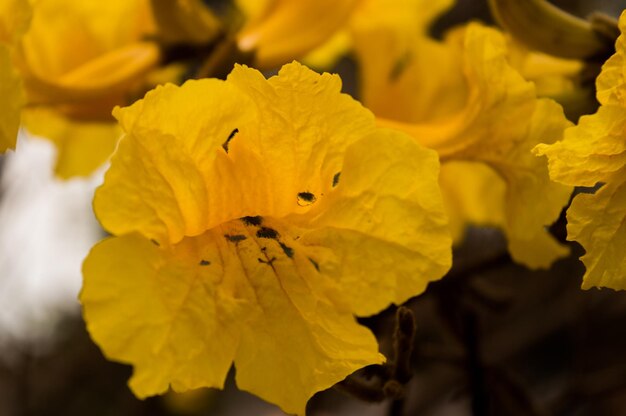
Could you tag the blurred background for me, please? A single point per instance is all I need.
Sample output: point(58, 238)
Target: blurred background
point(492, 337)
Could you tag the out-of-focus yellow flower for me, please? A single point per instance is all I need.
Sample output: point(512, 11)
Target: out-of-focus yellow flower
point(282, 30)
point(463, 99)
point(405, 19)
point(83, 57)
point(591, 153)
point(185, 21)
point(77, 60)
point(252, 219)
point(15, 17)
point(82, 146)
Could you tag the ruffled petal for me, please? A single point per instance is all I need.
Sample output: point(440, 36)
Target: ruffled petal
point(181, 314)
point(598, 223)
point(611, 83)
point(388, 204)
point(162, 311)
point(591, 154)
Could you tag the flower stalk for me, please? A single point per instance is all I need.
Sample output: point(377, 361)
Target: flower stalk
point(546, 28)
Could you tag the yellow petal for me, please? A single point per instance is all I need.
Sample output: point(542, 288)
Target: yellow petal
point(597, 223)
point(303, 338)
point(187, 21)
point(497, 102)
point(15, 16)
point(533, 201)
point(402, 237)
point(288, 29)
point(611, 83)
point(553, 77)
point(594, 149)
point(422, 86)
point(64, 35)
point(93, 89)
point(86, 51)
point(405, 17)
point(162, 174)
point(327, 55)
point(402, 20)
point(82, 146)
point(476, 194)
point(252, 9)
point(12, 100)
point(473, 193)
point(306, 214)
point(190, 309)
point(161, 311)
point(591, 153)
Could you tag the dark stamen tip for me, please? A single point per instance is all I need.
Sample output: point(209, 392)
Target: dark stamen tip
point(266, 232)
point(252, 221)
point(230, 137)
point(235, 238)
point(288, 250)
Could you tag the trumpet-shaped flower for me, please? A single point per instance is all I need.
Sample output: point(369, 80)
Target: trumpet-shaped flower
point(591, 153)
point(463, 99)
point(252, 219)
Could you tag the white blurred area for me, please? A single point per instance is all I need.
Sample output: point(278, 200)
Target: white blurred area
point(46, 229)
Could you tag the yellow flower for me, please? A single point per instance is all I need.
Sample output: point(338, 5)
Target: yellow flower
point(253, 219)
point(405, 19)
point(592, 153)
point(82, 57)
point(14, 19)
point(463, 99)
point(77, 60)
point(281, 30)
